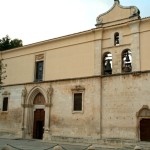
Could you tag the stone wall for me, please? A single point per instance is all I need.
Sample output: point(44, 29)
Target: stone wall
point(122, 97)
point(65, 122)
point(110, 107)
point(11, 120)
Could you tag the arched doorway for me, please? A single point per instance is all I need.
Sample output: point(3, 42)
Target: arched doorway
point(39, 117)
point(144, 123)
point(36, 112)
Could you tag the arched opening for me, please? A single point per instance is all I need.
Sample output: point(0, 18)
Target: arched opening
point(39, 99)
point(116, 39)
point(126, 61)
point(36, 113)
point(144, 123)
point(39, 117)
point(107, 63)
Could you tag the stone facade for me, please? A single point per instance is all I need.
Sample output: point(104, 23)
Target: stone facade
point(43, 79)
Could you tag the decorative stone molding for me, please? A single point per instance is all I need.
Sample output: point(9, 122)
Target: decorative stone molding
point(48, 105)
point(27, 105)
point(34, 92)
point(24, 95)
point(78, 88)
point(39, 57)
point(136, 73)
point(49, 93)
point(46, 129)
point(135, 12)
point(144, 112)
point(39, 99)
point(5, 93)
point(24, 92)
point(132, 10)
point(31, 97)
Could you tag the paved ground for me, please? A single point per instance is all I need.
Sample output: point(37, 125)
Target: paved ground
point(41, 145)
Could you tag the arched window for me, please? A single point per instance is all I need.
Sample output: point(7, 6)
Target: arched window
point(116, 39)
point(107, 63)
point(126, 61)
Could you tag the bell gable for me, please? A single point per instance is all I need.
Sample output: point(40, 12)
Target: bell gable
point(117, 14)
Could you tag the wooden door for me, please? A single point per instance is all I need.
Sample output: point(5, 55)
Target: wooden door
point(39, 118)
point(145, 130)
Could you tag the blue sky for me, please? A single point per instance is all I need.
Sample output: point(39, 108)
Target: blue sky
point(38, 20)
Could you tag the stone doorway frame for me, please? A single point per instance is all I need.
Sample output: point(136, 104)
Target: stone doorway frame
point(29, 108)
point(143, 113)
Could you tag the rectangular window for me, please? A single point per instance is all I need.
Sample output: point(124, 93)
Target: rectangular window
point(5, 104)
point(77, 102)
point(39, 71)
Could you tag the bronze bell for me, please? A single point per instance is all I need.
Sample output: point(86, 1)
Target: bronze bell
point(108, 69)
point(127, 57)
point(117, 40)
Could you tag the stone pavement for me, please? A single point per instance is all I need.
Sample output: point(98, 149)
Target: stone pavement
point(32, 144)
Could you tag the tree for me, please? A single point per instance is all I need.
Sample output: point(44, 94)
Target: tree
point(6, 43)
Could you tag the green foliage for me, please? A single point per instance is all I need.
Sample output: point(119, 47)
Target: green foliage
point(6, 43)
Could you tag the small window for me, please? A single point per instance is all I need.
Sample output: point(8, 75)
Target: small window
point(77, 102)
point(39, 70)
point(116, 39)
point(107, 63)
point(5, 104)
point(126, 61)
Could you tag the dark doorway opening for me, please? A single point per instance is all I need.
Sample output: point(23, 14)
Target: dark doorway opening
point(38, 130)
point(145, 130)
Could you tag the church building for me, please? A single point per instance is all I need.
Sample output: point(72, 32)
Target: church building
point(90, 86)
